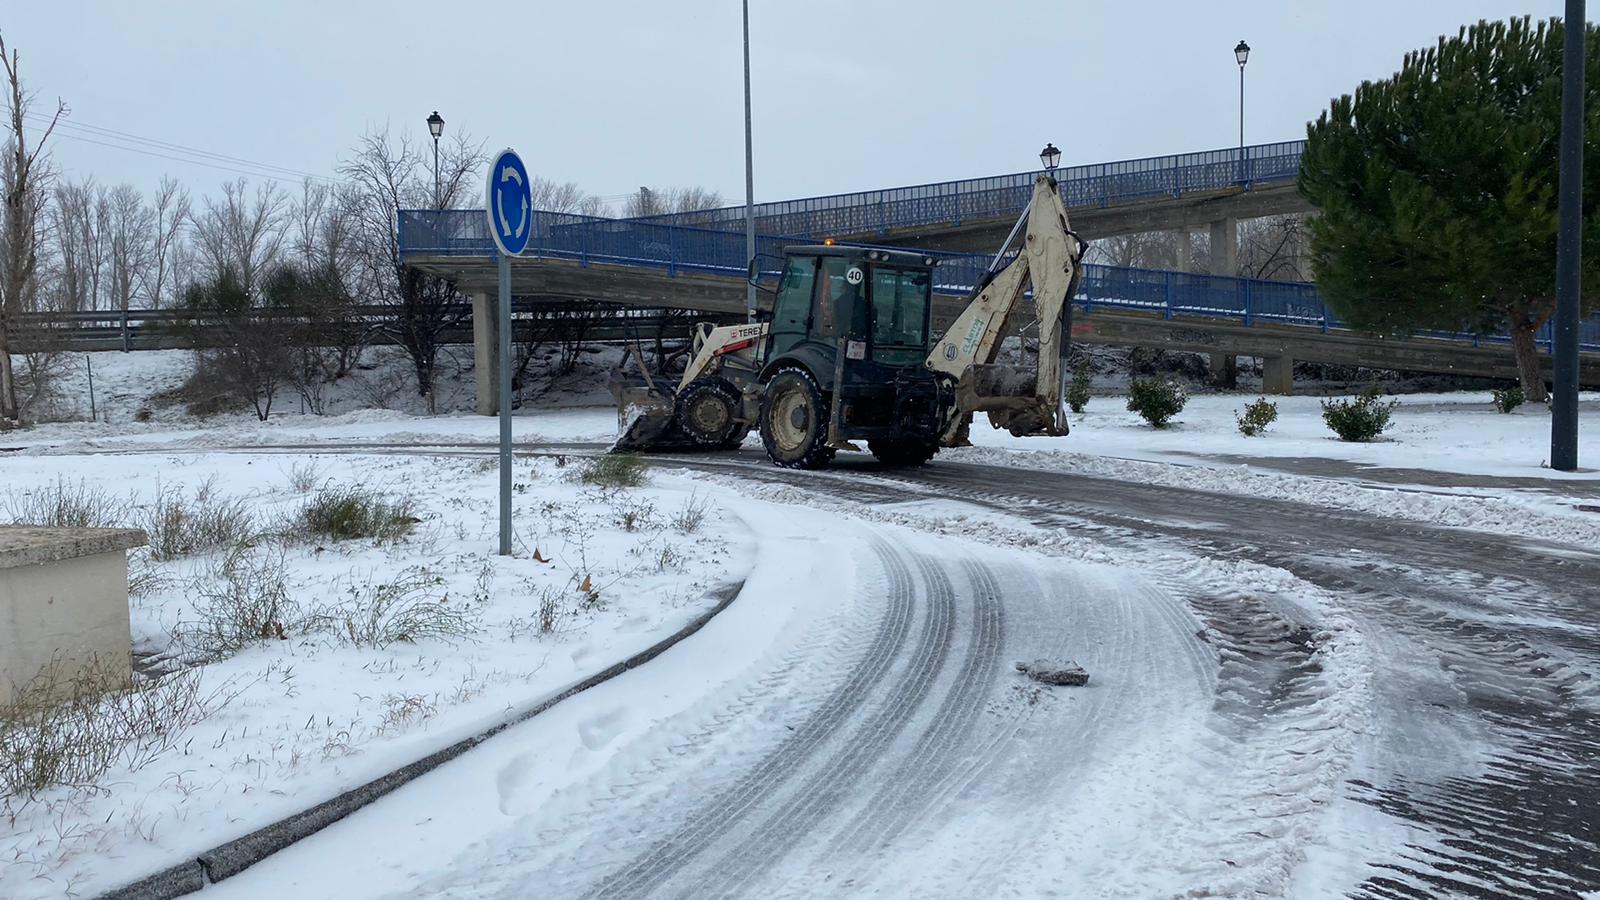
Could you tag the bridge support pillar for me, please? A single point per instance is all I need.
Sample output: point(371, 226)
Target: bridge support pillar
point(1225, 247)
point(1277, 375)
point(1183, 245)
point(485, 352)
point(1225, 370)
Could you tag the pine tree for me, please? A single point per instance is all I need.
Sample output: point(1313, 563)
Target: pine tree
point(1437, 189)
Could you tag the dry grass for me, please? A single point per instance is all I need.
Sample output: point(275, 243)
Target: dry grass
point(68, 726)
point(345, 513)
point(692, 514)
point(180, 526)
point(65, 504)
point(405, 610)
point(244, 600)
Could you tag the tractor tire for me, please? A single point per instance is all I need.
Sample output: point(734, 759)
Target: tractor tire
point(708, 412)
point(794, 421)
point(903, 452)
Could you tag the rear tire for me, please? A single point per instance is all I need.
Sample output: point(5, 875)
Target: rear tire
point(794, 421)
point(708, 412)
point(903, 452)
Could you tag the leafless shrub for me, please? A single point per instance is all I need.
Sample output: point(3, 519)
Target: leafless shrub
point(637, 516)
point(404, 610)
point(65, 504)
point(303, 476)
point(68, 726)
point(692, 514)
point(243, 601)
point(179, 526)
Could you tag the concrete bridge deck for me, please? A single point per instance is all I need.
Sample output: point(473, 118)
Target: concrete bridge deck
point(1278, 343)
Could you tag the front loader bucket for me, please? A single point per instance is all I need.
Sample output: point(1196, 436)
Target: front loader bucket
point(647, 420)
point(1011, 398)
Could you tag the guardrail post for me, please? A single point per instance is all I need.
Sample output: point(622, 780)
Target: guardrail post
point(1249, 305)
point(1168, 287)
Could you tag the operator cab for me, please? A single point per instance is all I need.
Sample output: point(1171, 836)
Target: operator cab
point(844, 358)
point(874, 305)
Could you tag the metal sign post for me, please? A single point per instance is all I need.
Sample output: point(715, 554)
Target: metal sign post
point(510, 209)
point(1569, 248)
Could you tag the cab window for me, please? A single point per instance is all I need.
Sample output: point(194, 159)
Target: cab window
point(899, 311)
point(792, 308)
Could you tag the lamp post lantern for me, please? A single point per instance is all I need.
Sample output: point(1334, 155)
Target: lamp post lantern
point(1241, 53)
point(1050, 157)
point(436, 128)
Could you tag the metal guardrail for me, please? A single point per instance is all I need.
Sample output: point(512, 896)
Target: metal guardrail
point(1000, 196)
point(680, 249)
point(159, 329)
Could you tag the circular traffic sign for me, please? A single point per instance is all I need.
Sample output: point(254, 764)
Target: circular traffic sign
point(509, 203)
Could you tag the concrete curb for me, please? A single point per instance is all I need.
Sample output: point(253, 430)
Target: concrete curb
point(237, 855)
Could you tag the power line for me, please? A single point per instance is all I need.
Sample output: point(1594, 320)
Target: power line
point(118, 140)
point(181, 148)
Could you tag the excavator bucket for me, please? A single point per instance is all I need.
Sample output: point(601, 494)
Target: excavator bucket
point(1011, 398)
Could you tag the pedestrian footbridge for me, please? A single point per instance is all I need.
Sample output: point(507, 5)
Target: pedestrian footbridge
point(698, 261)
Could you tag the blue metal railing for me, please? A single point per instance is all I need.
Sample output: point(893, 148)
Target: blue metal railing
point(1001, 196)
point(679, 249)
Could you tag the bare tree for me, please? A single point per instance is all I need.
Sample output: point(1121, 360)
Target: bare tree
point(1146, 250)
point(168, 213)
point(241, 232)
point(322, 228)
point(653, 202)
point(80, 219)
point(1276, 247)
point(26, 178)
point(550, 196)
point(591, 205)
point(386, 177)
point(128, 239)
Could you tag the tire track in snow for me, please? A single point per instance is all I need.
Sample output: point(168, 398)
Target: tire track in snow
point(943, 756)
point(768, 843)
point(716, 818)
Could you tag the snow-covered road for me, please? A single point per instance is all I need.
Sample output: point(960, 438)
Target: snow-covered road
point(878, 742)
point(1287, 700)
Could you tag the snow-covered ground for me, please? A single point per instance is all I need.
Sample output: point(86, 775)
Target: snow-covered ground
point(1456, 432)
point(467, 637)
point(311, 714)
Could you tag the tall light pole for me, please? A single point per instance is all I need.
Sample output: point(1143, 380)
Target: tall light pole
point(749, 176)
point(1569, 249)
point(1242, 54)
point(436, 128)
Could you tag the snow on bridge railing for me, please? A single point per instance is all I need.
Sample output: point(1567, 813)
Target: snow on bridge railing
point(676, 249)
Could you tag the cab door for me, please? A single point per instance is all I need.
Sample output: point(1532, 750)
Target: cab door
point(791, 310)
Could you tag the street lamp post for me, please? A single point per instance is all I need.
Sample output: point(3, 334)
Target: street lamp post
point(1242, 54)
point(749, 177)
point(436, 128)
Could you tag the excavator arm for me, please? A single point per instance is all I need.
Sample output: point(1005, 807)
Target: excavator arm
point(1021, 402)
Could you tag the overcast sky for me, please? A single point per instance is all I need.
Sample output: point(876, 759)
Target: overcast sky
point(613, 94)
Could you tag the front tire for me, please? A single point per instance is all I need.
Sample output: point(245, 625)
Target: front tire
point(794, 421)
point(903, 452)
point(708, 412)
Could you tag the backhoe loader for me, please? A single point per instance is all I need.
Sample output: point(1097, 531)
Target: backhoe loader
point(847, 355)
